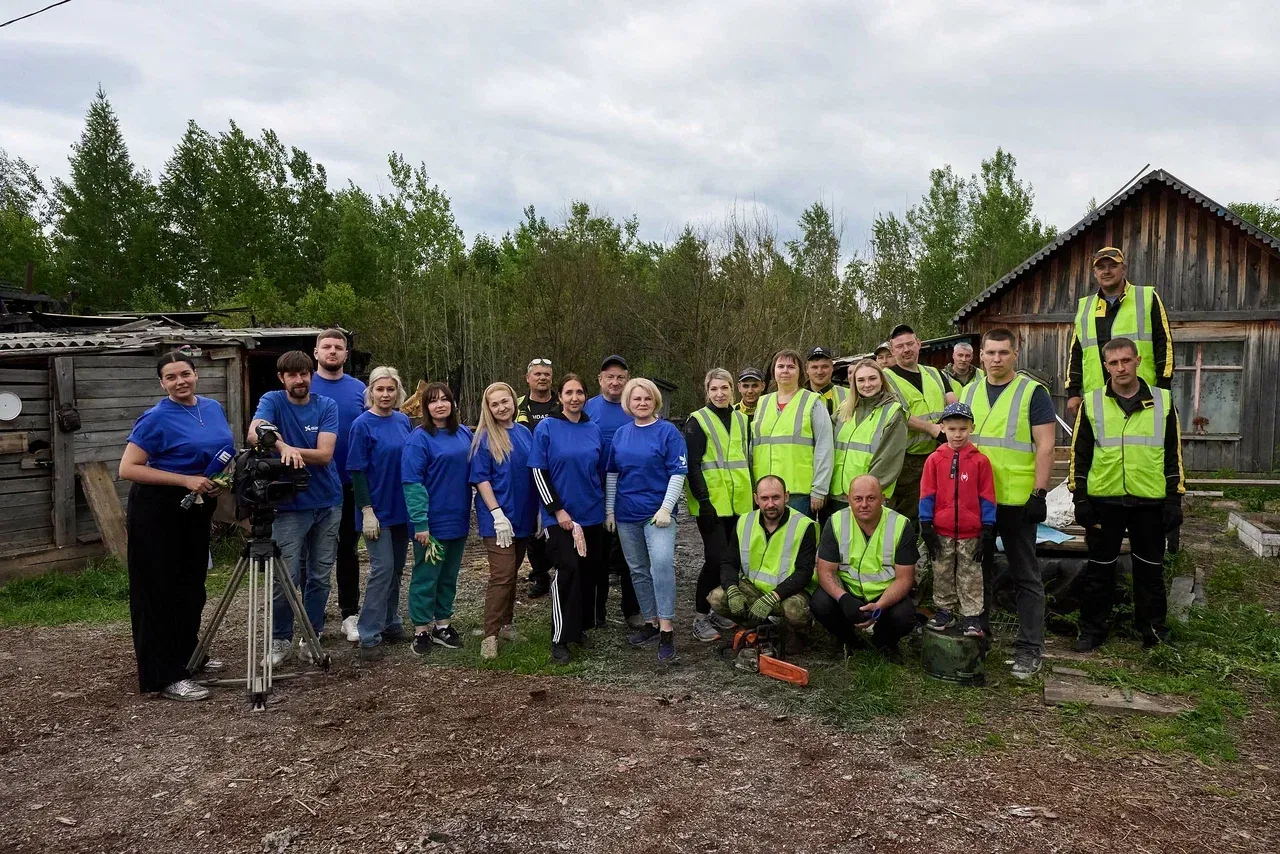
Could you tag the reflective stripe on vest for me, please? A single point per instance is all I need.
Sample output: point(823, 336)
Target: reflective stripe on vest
point(1132, 320)
point(724, 467)
point(869, 580)
point(1003, 433)
point(764, 563)
point(1128, 454)
point(782, 442)
point(926, 404)
point(856, 446)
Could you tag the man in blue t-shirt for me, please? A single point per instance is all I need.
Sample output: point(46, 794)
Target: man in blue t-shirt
point(308, 426)
point(331, 381)
point(605, 409)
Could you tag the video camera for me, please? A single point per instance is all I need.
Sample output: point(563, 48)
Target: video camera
point(262, 480)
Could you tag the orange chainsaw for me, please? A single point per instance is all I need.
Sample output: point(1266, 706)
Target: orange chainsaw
point(760, 650)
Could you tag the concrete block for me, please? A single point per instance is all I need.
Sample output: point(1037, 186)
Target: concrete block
point(1110, 699)
point(1181, 596)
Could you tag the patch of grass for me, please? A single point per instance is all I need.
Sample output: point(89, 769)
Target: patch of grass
point(98, 594)
point(1203, 731)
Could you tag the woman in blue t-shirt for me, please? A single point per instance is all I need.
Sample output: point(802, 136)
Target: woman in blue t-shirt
point(374, 448)
point(506, 512)
point(435, 473)
point(171, 447)
point(567, 463)
point(647, 465)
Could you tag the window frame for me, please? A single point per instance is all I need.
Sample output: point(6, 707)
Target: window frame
point(1197, 369)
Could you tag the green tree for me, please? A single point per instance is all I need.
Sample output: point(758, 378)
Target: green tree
point(1003, 230)
point(186, 204)
point(941, 225)
point(1265, 216)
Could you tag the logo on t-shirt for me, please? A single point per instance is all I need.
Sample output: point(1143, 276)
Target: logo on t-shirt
point(311, 428)
point(684, 460)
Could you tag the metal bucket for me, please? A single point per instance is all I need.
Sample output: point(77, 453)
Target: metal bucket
point(951, 657)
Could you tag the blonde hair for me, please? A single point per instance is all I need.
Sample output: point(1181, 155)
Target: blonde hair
point(384, 372)
point(853, 398)
point(499, 441)
point(717, 374)
point(647, 385)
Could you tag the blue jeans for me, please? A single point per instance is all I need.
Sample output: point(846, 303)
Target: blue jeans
point(317, 531)
point(651, 554)
point(381, 611)
point(799, 502)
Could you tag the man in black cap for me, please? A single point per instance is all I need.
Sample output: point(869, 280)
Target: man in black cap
point(750, 387)
point(924, 393)
point(819, 368)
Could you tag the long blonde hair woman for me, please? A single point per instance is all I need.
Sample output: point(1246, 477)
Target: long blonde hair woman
point(871, 432)
point(506, 507)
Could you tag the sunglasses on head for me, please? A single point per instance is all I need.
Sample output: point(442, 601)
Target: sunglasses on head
point(533, 362)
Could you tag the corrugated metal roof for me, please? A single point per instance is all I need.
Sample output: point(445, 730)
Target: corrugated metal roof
point(142, 338)
point(1093, 216)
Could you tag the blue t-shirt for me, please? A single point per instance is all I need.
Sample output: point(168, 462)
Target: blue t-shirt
point(301, 426)
point(573, 454)
point(608, 416)
point(374, 447)
point(645, 458)
point(512, 483)
point(175, 439)
point(439, 463)
point(348, 393)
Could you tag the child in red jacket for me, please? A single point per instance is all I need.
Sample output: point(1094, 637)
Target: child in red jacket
point(957, 521)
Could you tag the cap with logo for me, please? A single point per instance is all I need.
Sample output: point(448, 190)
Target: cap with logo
point(1108, 253)
point(956, 410)
point(818, 353)
point(750, 374)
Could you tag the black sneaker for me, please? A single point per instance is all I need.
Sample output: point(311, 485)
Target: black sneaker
point(393, 638)
point(1085, 643)
point(539, 588)
point(373, 653)
point(941, 620)
point(973, 627)
point(560, 653)
point(1026, 664)
point(666, 647)
point(648, 633)
point(421, 643)
point(447, 637)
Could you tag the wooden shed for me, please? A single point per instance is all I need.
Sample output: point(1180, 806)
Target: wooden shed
point(108, 377)
point(1219, 277)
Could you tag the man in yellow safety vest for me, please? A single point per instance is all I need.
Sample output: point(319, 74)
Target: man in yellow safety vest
point(924, 393)
point(818, 368)
point(962, 371)
point(792, 437)
point(750, 387)
point(1119, 308)
point(1126, 476)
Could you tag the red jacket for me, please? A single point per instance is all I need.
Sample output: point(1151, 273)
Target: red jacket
point(958, 508)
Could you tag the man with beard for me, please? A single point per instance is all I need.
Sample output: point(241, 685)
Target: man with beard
point(531, 408)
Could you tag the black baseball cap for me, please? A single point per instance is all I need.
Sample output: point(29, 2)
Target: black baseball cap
point(750, 374)
point(615, 359)
point(818, 353)
point(901, 329)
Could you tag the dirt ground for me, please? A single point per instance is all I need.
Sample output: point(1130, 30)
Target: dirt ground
point(400, 757)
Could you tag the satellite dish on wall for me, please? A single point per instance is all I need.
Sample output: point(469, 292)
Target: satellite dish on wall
point(10, 406)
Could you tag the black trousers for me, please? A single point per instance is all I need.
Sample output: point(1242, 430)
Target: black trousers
point(1019, 541)
point(539, 563)
point(579, 585)
point(347, 570)
point(906, 494)
point(1145, 527)
point(617, 562)
point(894, 624)
point(719, 540)
point(168, 563)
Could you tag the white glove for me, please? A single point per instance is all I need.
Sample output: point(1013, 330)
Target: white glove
point(370, 528)
point(609, 524)
point(503, 531)
point(662, 518)
point(579, 540)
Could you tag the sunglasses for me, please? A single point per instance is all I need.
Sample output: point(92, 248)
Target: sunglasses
point(533, 362)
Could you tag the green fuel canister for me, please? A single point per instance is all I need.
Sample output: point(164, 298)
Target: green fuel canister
point(949, 656)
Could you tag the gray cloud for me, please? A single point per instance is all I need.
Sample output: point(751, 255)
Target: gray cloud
point(678, 111)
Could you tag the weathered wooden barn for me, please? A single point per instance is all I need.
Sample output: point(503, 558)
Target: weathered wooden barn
point(1219, 277)
point(104, 379)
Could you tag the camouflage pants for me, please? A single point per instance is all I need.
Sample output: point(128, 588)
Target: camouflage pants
point(957, 576)
point(793, 609)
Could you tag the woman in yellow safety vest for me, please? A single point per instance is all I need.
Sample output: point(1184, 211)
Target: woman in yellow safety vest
point(718, 489)
point(871, 434)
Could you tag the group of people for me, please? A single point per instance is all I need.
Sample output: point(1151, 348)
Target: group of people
point(811, 499)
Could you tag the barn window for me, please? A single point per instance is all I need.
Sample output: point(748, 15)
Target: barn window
point(1207, 386)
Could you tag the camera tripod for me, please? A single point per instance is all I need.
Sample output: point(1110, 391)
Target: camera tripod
point(261, 561)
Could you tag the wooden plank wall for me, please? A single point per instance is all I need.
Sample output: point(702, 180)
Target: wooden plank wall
point(26, 497)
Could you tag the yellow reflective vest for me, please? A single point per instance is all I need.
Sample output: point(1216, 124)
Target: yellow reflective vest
point(1132, 320)
point(767, 561)
point(782, 442)
point(1003, 433)
point(927, 404)
point(956, 386)
point(833, 397)
point(866, 563)
point(856, 446)
point(724, 465)
point(1128, 456)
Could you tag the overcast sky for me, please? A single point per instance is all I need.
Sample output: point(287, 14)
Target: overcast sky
point(674, 111)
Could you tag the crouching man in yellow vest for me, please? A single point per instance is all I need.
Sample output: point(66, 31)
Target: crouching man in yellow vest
point(866, 569)
point(771, 572)
point(1126, 475)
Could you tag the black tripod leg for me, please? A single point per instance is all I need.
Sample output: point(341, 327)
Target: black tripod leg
point(201, 652)
point(309, 637)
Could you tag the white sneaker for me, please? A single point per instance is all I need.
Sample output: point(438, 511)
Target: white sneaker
point(281, 649)
point(304, 654)
point(349, 628)
point(185, 689)
point(489, 648)
point(510, 633)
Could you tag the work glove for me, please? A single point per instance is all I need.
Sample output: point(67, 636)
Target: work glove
point(432, 550)
point(988, 549)
point(1035, 510)
point(369, 524)
point(763, 607)
point(931, 541)
point(579, 540)
point(1171, 516)
point(735, 601)
point(609, 524)
point(1086, 513)
point(706, 511)
point(851, 607)
point(662, 518)
point(503, 531)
